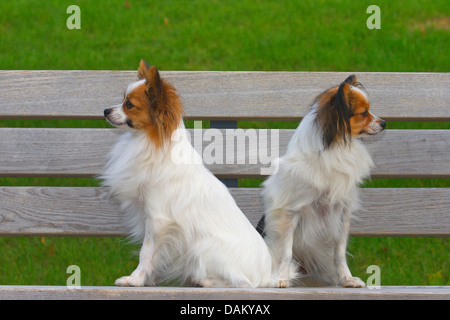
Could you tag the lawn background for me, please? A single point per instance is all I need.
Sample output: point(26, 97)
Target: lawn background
point(221, 35)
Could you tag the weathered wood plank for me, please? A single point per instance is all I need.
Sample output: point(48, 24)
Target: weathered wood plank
point(78, 211)
point(82, 152)
point(183, 293)
point(54, 152)
point(221, 95)
point(68, 211)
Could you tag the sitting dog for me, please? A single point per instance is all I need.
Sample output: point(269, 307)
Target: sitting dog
point(309, 200)
point(191, 229)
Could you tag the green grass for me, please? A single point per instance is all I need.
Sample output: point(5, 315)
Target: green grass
point(402, 261)
point(221, 35)
point(226, 35)
point(44, 261)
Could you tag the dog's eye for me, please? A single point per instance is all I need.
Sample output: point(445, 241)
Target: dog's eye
point(365, 113)
point(128, 104)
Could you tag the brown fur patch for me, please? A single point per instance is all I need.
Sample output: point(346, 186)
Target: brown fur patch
point(139, 113)
point(325, 117)
point(361, 118)
point(332, 115)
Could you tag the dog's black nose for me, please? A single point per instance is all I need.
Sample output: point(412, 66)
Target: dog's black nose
point(383, 124)
point(106, 112)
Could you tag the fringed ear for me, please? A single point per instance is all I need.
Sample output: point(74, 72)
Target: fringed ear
point(165, 108)
point(351, 80)
point(154, 80)
point(334, 113)
point(326, 116)
point(143, 70)
point(328, 120)
point(343, 110)
point(151, 76)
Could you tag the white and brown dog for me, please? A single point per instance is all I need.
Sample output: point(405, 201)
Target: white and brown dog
point(309, 201)
point(190, 226)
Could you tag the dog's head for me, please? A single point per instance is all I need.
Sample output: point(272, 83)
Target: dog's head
point(343, 112)
point(150, 104)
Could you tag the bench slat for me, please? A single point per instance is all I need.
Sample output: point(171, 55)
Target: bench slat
point(221, 95)
point(188, 293)
point(86, 211)
point(82, 152)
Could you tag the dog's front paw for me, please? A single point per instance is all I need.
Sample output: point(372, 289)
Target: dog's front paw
point(282, 284)
point(352, 282)
point(130, 281)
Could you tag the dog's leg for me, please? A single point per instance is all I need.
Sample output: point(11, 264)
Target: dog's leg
point(280, 238)
point(345, 277)
point(143, 275)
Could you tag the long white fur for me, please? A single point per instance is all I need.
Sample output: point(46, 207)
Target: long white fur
point(308, 204)
point(192, 231)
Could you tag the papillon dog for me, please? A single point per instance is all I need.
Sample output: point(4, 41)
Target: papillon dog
point(310, 199)
point(191, 229)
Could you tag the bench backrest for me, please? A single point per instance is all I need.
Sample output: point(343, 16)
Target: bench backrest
point(217, 96)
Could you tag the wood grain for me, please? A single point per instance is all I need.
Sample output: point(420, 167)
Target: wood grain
point(78, 211)
point(186, 293)
point(82, 152)
point(221, 95)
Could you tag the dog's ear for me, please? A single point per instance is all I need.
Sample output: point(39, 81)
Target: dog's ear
point(153, 86)
point(143, 70)
point(343, 110)
point(153, 78)
point(351, 80)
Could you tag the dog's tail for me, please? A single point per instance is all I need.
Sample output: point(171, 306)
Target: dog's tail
point(261, 226)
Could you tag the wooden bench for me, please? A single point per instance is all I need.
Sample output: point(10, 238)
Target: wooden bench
point(223, 98)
